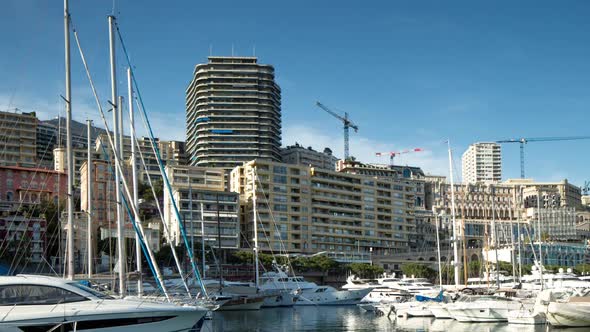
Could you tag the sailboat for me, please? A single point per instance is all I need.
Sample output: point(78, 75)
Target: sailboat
point(48, 303)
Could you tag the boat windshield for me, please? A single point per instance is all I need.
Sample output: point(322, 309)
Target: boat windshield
point(91, 291)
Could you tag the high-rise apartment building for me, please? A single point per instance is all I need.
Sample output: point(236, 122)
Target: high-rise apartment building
point(18, 139)
point(482, 163)
point(233, 113)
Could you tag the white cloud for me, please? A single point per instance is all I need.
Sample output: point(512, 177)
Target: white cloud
point(434, 160)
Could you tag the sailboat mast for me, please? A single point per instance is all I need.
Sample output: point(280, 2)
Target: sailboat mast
point(254, 208)
point(540, 239)
point(69, 154)
point(134, 179)
point(219, 243)
point(455, 244)
point(190, 209)
point(90, 186)
point(512, 246)
point(495, 235)
point(120, 230)
point(465, 266)
point(519, 238)
point(203, 238)
point(438, 252)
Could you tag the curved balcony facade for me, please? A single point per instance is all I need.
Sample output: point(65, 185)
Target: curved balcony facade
point(233, 113)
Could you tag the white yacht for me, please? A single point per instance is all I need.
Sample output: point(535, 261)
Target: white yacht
point(561, 279)
point(310, 293)
point(569, 310)
point(483, 309)
point(39, 303)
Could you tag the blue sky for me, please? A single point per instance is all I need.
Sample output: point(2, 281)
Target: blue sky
point(410, 73)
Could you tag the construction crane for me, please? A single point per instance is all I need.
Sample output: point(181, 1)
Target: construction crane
point(524, 141)
point(347, 124)
point(392, 154)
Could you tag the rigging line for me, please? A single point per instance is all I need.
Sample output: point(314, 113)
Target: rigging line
point(141, 234)
point(275, 224)
point(111, 143)
point(161, 167)
point(139, 231)
point(3, 245)
point(37, 169)
point(165, 226)
point(276, 229)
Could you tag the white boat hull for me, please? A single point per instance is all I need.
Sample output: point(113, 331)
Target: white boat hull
point(440, 312)
point(350, 297)
point(284, 299)
point(526, 317)
point(145, 321)
point(242, 304)
point(370, 307)
point(480, 315)
point(569, 314)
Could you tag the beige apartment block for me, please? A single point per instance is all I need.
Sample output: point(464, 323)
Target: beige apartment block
point(19, 139)
point(203, 204)
point(303, 209)
point(552, 194)
point(80, 157)
point(171, 153)
point(299, 155)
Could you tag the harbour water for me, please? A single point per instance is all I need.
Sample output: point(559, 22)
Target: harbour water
point(348, 318)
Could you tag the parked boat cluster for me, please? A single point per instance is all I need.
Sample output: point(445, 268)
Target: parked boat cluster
point(560, 299)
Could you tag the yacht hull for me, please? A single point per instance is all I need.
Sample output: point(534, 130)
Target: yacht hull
point(348, 297)
point(440, 312)
point(284, 299)
point(569, 314)
point(243, 303)
point(480, 314)
point(146, 321)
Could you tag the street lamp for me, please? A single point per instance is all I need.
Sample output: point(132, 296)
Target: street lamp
point(371, 255)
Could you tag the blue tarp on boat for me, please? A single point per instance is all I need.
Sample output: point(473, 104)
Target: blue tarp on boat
point(422, 298)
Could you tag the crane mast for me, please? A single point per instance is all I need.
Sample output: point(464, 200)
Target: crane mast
point(523, 141)
point(347, 125)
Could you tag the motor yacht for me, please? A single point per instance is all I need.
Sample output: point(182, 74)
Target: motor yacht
point(39, 303)
point(569, 310)
point(486, 308)
point(310, 293)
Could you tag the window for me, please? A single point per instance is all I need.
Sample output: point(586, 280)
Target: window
point(280, 207)
point(280, 169)
point(280, 179)
point(36, 295)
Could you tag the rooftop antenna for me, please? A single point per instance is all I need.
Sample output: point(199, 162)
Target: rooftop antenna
point(210, 49)
point(232, 49)
point(254, 50)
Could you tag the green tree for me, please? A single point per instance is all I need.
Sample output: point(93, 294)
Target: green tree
point(582, 269)
point(51, 215)
point(504, 266)
point(418, 270)
point(364, 270)
point(474, 269)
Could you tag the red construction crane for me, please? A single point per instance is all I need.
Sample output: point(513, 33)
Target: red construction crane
point(392, 154)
